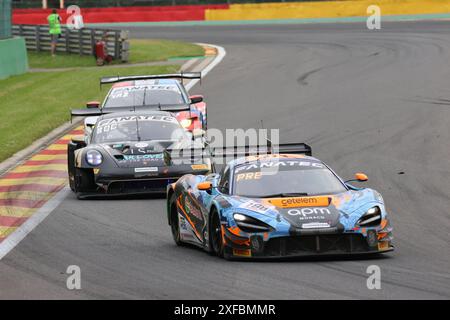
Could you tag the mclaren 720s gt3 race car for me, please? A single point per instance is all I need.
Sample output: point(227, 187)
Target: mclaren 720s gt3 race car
point(278, 205)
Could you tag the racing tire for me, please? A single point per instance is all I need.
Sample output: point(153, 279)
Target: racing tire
point(71, 147)
point(174, 223)
point(216, 237)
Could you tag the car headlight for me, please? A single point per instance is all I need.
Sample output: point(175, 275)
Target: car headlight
point(185, 123)
point(249, 224)
point(239, 217)
point(94, 158)
point(371, 218)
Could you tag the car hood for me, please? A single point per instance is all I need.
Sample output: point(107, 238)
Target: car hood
point(328, 211)
point(143, 153)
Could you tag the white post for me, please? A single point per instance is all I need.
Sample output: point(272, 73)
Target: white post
point(61, 4)
point(44, 4)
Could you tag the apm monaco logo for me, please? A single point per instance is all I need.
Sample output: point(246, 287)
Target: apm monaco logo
point(312, 213)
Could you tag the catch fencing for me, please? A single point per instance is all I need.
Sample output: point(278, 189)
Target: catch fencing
point(80, 41)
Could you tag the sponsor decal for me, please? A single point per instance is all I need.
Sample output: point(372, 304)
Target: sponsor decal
point(310, 213)
point(124, 92)
point(141, 145)
point(297, 202)
point(273, 156)
point(315, 225)
point(199, 167)
point(192, 209)
point(255, 206)
point(114, 121)
point(144, 157)
point(182, 223)
point(146, 169)
point(249, 176)
point(242, 252)
point(281, 163)
point(186, 232)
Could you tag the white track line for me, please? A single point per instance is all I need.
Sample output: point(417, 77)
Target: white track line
point(220, 55)
point(21, 232)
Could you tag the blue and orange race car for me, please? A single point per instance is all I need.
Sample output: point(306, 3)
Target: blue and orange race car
point(278, 205)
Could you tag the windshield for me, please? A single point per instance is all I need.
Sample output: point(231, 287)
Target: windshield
point(138, 128)
point(292, 178)
point(144, 95)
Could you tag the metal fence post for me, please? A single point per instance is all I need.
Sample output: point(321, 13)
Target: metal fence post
point(38, 38)
point(80, 41)
point(116, 45)
point(92, 41)
point(67, 35)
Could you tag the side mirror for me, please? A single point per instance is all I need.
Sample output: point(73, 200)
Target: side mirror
point(205, 186)
point(92, 104)
point(196, 99)
point(361, 177)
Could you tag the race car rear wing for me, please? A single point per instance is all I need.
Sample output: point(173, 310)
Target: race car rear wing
point(94, 112)
point(293, 148)
point(182, 75)
point(244, 151)
point(222, 155)
point(239, 151)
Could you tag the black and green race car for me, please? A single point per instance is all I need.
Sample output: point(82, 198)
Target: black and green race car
point(131, 153)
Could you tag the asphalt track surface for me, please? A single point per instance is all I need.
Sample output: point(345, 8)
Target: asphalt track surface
point(371, 101)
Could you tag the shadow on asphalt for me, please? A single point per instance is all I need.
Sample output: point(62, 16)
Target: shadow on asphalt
point(305, 259)
point(156, 196)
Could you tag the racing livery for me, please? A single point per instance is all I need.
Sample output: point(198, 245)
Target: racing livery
point(158, 92)
point(131, 153)
point(278, 205)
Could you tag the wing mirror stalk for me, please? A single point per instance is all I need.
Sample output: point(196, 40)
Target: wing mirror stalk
point(359, 177)
point(205, 186)
point(196, 99)
point(93, 104)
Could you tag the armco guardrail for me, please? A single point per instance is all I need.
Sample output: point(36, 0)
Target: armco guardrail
point(80, 41)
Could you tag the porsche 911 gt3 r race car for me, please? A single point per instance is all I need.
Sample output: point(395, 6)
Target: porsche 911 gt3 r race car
point(278, 205)
point(131, 153)
point(158, 92)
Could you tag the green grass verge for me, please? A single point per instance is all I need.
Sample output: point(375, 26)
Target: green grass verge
point(140, 51)
point(33, 104)
point(160, 50)
point(43, 60)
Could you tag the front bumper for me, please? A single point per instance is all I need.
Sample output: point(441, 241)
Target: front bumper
point(262, 246)
point(126, 181)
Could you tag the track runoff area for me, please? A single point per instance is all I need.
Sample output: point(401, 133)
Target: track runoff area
point(292, 78)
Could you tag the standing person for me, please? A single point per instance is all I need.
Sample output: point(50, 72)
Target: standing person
point(54, 23)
